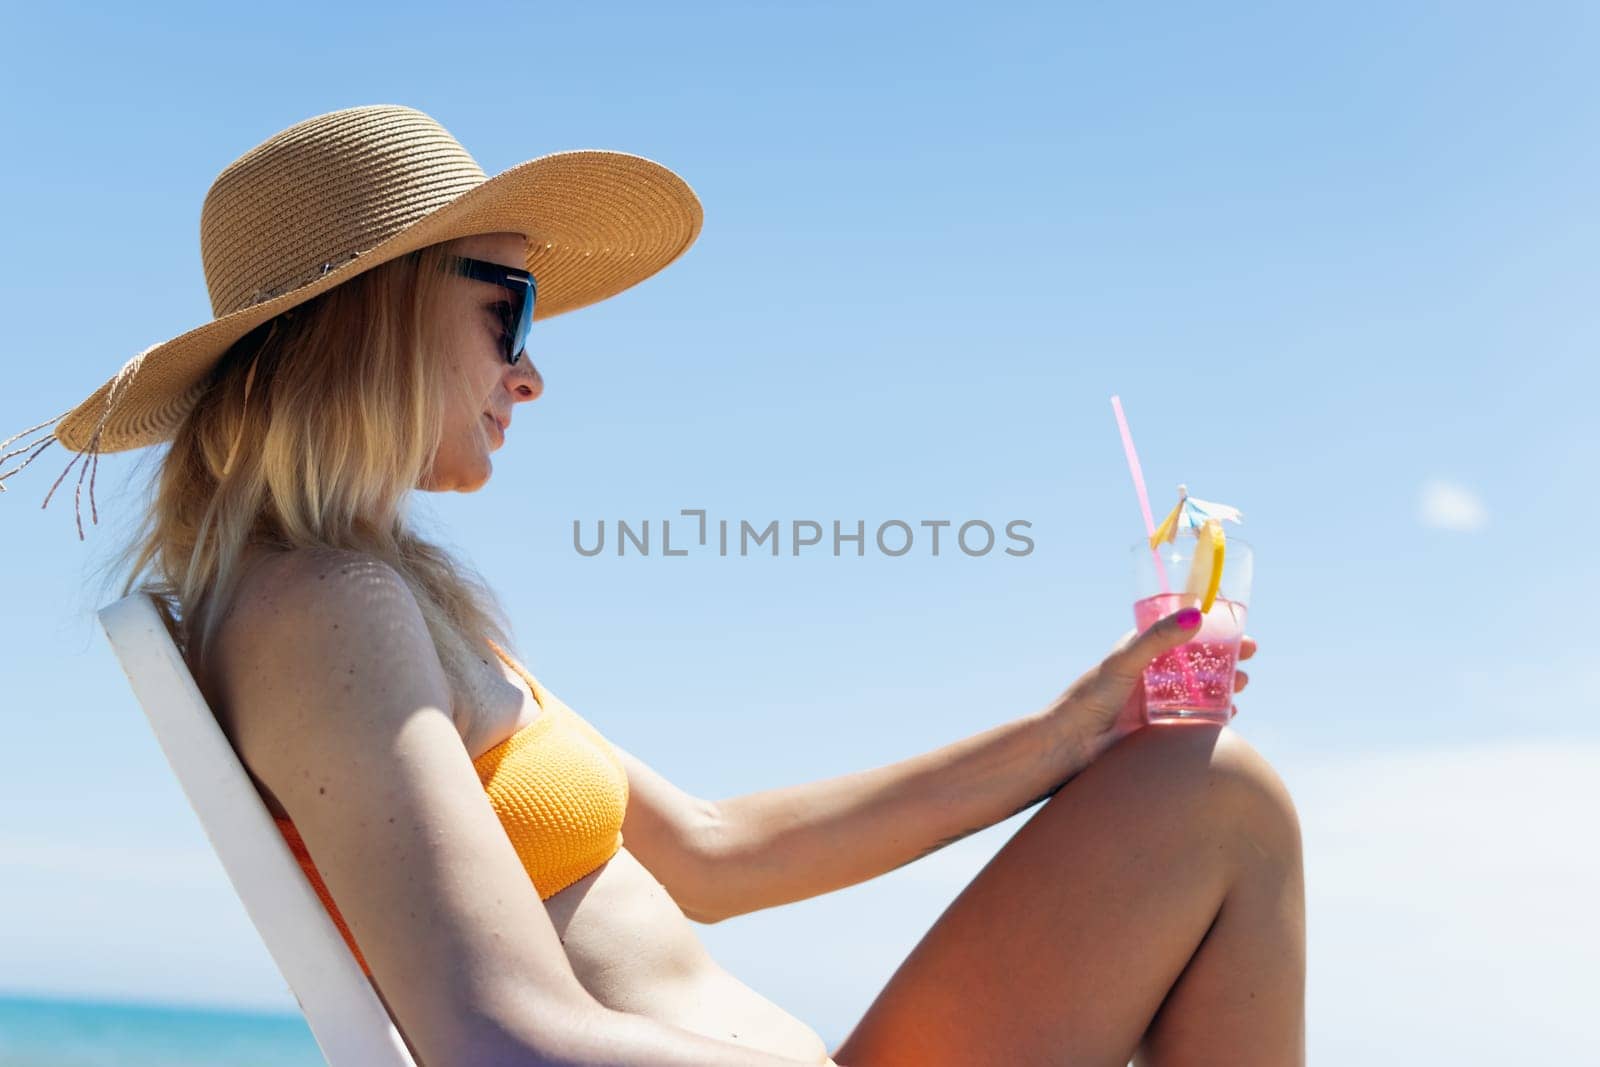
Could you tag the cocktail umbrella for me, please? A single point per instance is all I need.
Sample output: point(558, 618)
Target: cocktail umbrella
point(1191, 513)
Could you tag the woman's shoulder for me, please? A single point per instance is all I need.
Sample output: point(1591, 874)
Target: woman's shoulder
point(280, 592)
point(276, 588)
point(314, 617)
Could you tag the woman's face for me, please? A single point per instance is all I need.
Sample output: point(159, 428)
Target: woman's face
point(492, 387)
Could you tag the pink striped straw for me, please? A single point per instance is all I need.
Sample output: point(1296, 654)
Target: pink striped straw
point(1138, 485)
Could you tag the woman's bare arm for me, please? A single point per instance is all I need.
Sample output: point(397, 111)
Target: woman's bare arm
point(782, 845)
point(336, 700)
point(788, 844)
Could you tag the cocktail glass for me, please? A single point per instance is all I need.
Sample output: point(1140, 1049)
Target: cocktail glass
point(1193, 682)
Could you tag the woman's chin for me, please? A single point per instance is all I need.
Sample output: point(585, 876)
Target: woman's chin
point(470, 481)
point(459, 479)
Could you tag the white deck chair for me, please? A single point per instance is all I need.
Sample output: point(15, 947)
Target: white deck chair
point(349, 1022)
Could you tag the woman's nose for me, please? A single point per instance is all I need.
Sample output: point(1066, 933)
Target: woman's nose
point(523, 380)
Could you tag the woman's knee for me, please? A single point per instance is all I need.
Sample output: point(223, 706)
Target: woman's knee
point(1210, 773)
point(1253, 795)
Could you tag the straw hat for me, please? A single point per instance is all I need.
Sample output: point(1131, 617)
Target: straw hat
point(341, 193)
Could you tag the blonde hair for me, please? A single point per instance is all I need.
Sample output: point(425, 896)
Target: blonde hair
point(313, 431)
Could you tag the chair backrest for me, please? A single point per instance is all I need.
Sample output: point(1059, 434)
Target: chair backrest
point(349, 1022)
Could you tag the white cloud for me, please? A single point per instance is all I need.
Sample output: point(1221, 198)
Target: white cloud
point(1450, 905)
point(1446, 506)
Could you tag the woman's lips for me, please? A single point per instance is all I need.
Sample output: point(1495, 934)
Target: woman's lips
point(499, 434)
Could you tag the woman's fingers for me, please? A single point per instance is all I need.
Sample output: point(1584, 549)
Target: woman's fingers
point(1130, 658)
point(1247, 647)
point(1240, 680)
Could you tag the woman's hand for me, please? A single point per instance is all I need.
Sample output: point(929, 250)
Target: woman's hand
point(1108, 702)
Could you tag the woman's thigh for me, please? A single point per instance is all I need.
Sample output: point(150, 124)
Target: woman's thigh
point(1062, 949)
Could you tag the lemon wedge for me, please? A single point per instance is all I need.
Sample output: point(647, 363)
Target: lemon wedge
point(1205, 573)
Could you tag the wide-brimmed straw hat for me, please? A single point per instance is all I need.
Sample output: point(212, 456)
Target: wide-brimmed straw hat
point(341, 193)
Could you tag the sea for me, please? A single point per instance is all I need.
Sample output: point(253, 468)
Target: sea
point(48, 1032)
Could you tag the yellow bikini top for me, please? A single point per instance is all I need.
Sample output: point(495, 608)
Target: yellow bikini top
point(558, 787)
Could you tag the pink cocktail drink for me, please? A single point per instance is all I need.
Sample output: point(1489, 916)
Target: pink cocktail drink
point(1195, 680)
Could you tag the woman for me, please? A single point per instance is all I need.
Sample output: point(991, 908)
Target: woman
point(372, 292)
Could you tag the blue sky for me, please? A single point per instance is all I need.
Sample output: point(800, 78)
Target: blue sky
point(1339, 266)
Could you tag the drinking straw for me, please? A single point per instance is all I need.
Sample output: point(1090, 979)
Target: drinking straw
point(1138, 485)
point(1149, 521)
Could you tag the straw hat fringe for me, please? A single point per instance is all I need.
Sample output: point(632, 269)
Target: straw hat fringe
point(91, 466)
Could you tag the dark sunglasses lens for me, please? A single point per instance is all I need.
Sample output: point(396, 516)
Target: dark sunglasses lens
point(519, 336)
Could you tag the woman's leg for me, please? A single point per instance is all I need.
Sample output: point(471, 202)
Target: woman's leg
point(1155, 903)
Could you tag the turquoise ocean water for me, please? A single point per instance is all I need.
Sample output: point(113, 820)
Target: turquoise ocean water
point(44, 1032)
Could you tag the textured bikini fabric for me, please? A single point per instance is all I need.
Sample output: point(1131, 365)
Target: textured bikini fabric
point(557, 786)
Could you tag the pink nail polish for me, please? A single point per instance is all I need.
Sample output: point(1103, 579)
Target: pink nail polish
point(1189, 618)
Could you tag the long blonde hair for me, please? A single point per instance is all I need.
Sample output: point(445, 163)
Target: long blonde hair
point(313, 431)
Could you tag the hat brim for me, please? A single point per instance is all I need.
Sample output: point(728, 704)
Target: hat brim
point(598, 222)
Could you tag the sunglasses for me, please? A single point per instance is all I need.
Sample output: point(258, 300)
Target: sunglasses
point(521, 286)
